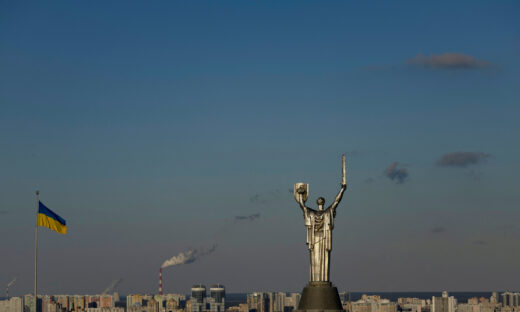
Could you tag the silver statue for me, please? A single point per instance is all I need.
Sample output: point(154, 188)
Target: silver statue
point(320, 224)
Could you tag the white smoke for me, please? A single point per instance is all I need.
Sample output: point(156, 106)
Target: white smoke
point(188, 256)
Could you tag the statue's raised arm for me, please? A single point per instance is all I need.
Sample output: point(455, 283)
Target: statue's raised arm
point(343, 184)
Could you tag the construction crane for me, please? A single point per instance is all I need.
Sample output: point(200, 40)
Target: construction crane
point(9, 285)
point(112, 286)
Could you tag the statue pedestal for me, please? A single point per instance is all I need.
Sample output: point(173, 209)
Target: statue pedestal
point(320, 296)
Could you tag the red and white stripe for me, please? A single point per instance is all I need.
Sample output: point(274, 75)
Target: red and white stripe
point(160, 281)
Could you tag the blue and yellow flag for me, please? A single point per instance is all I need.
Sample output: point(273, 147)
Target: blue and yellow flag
point(49, 219)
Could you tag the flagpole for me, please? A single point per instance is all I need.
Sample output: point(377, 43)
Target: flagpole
point(36, 253)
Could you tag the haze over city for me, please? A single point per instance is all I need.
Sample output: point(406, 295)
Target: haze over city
point(159, 128)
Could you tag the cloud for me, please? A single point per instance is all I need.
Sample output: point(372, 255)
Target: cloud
point(399, 175)
point(248, 218)
point(438, 230)
point(480, 242)
point(462, 159)
point(447, 61)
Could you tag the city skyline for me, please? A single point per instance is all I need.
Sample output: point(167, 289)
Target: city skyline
point(216, 300)
point(156, 129)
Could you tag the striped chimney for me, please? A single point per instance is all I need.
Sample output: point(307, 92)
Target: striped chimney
point(160, 281)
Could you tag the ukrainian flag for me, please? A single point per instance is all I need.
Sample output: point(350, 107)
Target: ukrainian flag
point(49, 219)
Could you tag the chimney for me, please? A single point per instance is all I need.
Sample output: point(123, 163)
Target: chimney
point(160, 281)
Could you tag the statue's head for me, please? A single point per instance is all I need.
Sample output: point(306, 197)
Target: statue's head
point(320, 202)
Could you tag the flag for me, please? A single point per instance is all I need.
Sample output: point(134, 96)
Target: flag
point(49, 219)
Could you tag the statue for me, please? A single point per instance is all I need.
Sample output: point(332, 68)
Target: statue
point(320, 224)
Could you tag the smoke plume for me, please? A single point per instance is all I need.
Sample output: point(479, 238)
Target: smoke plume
point(188, 256)
point(399, 175)
point(462, 159)
point(448, 61)
point(248, 218)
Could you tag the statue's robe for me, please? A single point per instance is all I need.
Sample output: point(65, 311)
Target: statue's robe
point(320, 224)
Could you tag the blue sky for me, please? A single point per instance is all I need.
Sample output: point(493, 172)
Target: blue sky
point(151, 127)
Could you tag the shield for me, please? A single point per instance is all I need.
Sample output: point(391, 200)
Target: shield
point(305, 194)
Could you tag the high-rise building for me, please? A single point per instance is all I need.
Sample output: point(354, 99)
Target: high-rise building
point(293, 300)
point(152, 305)
point(171, 305)
point(513, 299)
point(417, 301)
point(444, 303)
point(199, 302)
point(218, 296)
point(468, 307)
point(28, 303)
point(180, 301)
point(188, 305)
point(277, 302)
point(106, 301)
point(64, 301)
point(198, 298)
point(161, 299)
point(134, 301)
point(92, 301)
point(78, 302)
point(258, 302)
point(14, 304)
point(49, 304)
point(510, 299)
point(373, 304)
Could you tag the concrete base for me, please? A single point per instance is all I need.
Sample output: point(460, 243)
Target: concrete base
point(320, 296)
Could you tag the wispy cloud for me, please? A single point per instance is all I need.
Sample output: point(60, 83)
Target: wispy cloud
point(462, 159)
point(447, 61)
point(248, 218)
point(399, 175)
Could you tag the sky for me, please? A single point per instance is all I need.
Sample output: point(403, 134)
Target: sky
point(156, 128)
